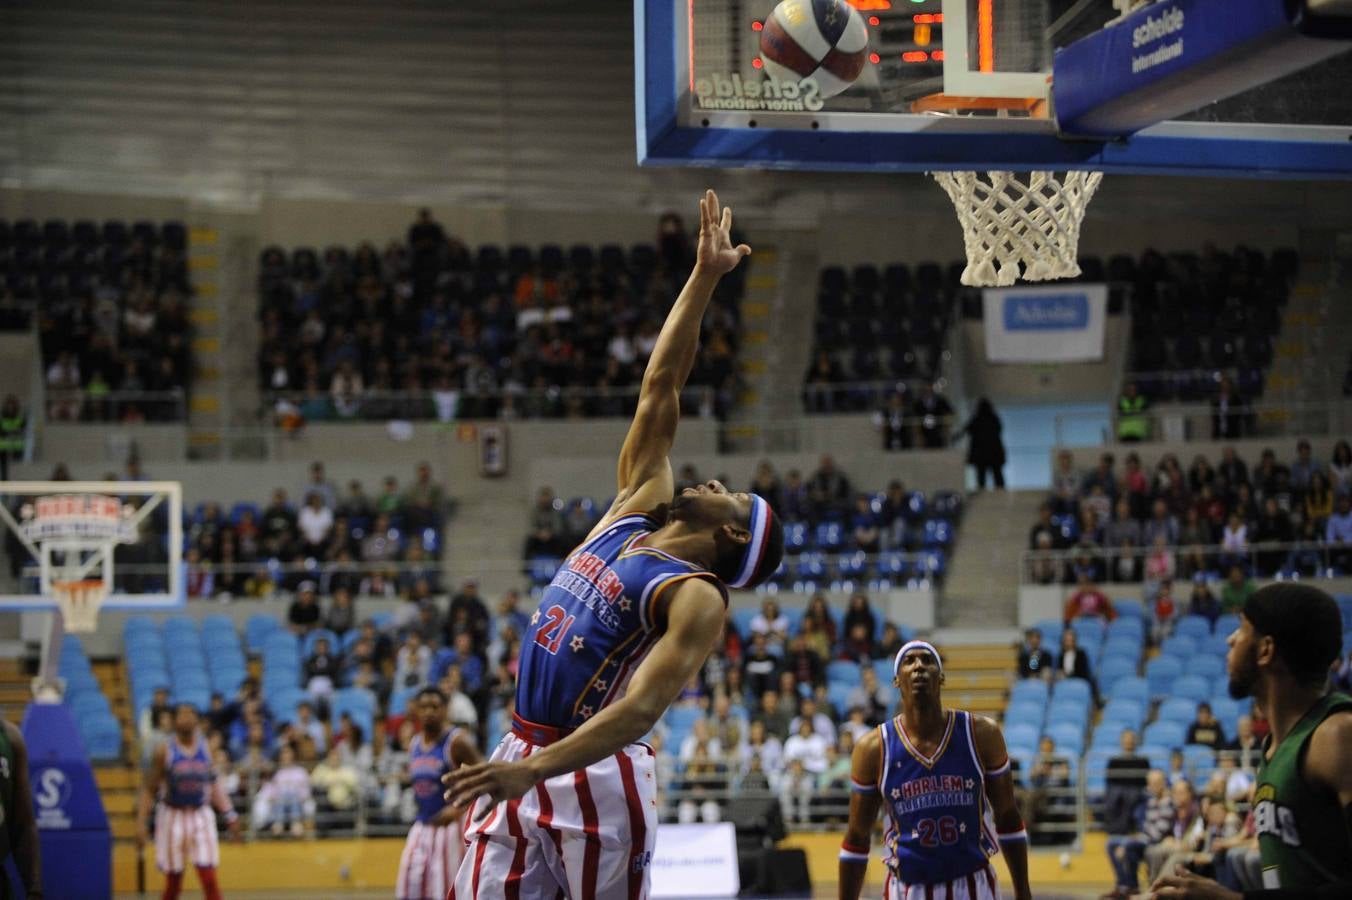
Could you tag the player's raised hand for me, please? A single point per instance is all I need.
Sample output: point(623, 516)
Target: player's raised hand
point(715, 252)
point(498, 781)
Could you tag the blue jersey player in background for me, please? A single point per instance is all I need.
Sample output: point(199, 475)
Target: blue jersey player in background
point(566, 804)
point(943, 777)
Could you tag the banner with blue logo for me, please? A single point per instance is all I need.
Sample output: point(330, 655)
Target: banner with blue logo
point(1045, 324)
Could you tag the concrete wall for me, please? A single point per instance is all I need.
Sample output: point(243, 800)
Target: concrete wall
point(1052, 382)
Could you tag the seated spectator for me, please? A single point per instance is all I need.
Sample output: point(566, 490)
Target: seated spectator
point(147, 723)
point(379, 546)
point(1048, 779)
point(1204, 603)
point(705, 777)
point(796, 788)
point(1205, 729)
point(377, 584)
point(1127, 849)
point(894, 423)
point(1338, 533)
point(760, 670)
point(819, 628)
point(864, 528)
point(461, 655)
point(1177, 770)
point(1160, 523)
point(700, 736)
point(342, 614)
point(934, 417)
point(1182, 838)
point(1318, 502)
point(289, 799)
point(891, 643)
point(870, 696)
point(1235, 540)
point(468, 610)
point(763, 747)
point(829, 490)
point(1247, 747)
point(1160, 565)
point(821, 723)
point(1215, 830)
point(857, 723)
point(321, 670)
point(893, 518)
point(355, 504)
point(413, 663)
point(775, 719)
point(310, 728)
point(1238, 782)
point(1238, 587)
point(797, 502)
point(1066, 480)
point(1124, 797)
point(428, 625)
point(319, 486)
point(546, 530)
point(1072, 662)
point(1274, 527)
point(860, 613)
point(1034, 661)
point(807, 746)
point(1165, 609)
point(806, 666)
point(1044, 565)
point(728, 724)
point(303, 615)
point(423, 501)
point(1088, 600)
point(773, 624)
point(858, 645)
point(460, 708)
point(315, 522)
point(338, 781)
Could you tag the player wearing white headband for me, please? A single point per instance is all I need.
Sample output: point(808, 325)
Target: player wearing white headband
point(943, 777)
point(567, 805)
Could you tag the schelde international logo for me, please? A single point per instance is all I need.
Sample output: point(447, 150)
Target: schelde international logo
point(1059, 313)
point(732, 92)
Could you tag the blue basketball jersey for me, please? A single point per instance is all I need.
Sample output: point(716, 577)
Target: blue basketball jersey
point(188, 776)
point(426, 764)
point(942, 827)
point(595, 624)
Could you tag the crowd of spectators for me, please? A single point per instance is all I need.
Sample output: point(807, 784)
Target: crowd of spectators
point(1165, 525)
point(113, 322)
point(426, 329)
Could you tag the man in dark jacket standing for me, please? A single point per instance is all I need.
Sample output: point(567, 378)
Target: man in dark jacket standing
point(985, 449)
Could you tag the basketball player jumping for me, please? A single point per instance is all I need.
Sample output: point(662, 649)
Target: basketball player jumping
point(943, 777)
point(1289, 636)
point(182, 778)
point(630, 617)
point(432, 853)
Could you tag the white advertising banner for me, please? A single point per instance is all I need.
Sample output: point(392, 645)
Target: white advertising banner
point(1063, 323)
point(695, 861)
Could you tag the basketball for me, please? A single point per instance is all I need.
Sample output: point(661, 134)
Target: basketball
point(824, 40)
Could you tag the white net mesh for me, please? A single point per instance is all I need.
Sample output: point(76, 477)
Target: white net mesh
point(80, 602)
point(1007, 223)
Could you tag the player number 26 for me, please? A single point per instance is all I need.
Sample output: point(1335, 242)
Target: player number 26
point(556, 625)
point(934, 832)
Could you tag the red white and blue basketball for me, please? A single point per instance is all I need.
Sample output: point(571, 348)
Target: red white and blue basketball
point(825, 40)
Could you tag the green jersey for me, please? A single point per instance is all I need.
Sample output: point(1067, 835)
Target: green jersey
point(1302, 834)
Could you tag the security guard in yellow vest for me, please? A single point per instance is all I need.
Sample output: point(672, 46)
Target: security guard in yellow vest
point(1132, 422)
point(11, 434)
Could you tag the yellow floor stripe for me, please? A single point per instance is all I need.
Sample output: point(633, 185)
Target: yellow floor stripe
point(762, 282)
point(757, 337)
point(200, 263)
point(204, 316)
point(754, 367)
point(756, 309)
point(204, 438)
point(206, 404)
point(202, 235)
point(205, 289)
point(206, 345)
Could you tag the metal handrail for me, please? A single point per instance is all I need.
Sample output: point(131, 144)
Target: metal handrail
point(1209, 553)
point(1263, 419)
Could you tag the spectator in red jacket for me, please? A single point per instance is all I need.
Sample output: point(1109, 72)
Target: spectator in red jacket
point(1088, 600)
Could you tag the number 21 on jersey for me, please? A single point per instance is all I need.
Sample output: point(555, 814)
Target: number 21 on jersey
point(555, 627)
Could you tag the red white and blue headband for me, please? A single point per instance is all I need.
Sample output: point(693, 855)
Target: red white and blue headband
point(755, 548)
point(916, 645)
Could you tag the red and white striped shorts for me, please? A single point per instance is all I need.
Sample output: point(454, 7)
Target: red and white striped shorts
point(586, 835)
point(427, 866)
point(982, 885)
point(185, 835)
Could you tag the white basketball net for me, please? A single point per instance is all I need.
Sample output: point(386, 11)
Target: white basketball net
point(80, 602)
point(1008, 223)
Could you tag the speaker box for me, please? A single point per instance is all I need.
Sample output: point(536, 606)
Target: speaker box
point(771, 873)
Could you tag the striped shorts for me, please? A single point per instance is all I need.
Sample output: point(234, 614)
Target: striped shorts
point(185, 835)
point(586, 835)
point(427, 866)
point(980, 885)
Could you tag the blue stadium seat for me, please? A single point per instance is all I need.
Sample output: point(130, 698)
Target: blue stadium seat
point(1177, 709)
point(1192, 687)
point(1160, 673)
point(1096, 771)
point(1131, 688)
point(1205, 666)
point(935, 563)
point(1114, 668)
point(1125, 708)
point(937, 534)
point(1072, 688)
point(1123, 645)
point(1195, 627)
point(1033, 712)
point(1125, 627)
point(1129, 609)
point(1199, 761)
point(1021, 737)
point(1227, 712)
point(1178, 645)
point(1029, 688)
point(1165, 734)
point(682, 718)
point(358, 704)
point(199, 699)
point(893, 565)
point(795, 537)
point(741, 620)
point(282, 643)
point(1088, 628)
point(852, 565)
point(1050, 629)
point(139, 625)
point(843, 671)
point(308, 644)
point(257, 629)
point(830, 536)
point(1225, 624)
point(810, 567)
point(1068, 737)
point(838, 694)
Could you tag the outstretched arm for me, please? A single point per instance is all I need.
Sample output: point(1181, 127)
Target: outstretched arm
point(694, 625)
point(643, 476)
point(1009, 827)
point(864, 804)
point(150, 787)
point(23, 828)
